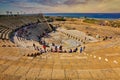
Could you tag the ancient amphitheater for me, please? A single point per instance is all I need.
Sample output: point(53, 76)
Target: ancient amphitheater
point(20, 61)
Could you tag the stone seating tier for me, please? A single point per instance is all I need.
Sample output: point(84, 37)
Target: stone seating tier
point(4, 35)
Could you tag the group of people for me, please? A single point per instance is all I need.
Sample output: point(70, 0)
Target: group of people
point(46, 47)
point(23, 32)
point(57, 49)
point(76, 50)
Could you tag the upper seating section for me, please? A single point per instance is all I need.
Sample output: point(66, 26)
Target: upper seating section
point(17, 21)
point(11, 22)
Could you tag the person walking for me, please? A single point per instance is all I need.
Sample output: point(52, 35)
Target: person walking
point(75, 50)
point(34, 46)
point(70, 51)
point(60, 49)
point(40, 50)
point(81, 49)
point(44, 47)
point(56, 49)
point(84, 48)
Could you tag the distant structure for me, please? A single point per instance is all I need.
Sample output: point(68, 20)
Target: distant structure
point(10, 12)
point(17, 13)
point(7, 12)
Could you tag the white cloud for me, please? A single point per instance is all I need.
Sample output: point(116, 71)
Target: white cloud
point(73, 6)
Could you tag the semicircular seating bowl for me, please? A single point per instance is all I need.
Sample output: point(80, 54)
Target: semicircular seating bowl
point(11, 23)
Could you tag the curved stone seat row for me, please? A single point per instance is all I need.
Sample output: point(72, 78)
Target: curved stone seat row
point(29, 53)
point(7, 43)
point(7, 34)
point(2, 33)
point(1, 29)
point(79, 36)
point(19, 41)
point(74, 37)
point(4, 38)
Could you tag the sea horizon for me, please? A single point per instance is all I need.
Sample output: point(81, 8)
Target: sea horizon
point(88, 15)
point(81, 15)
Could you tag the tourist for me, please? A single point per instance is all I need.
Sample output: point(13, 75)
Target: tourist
point(48, 50)
point(44, 47)
point(60, 48)
point(40, 50)
point(37, 48)
point(110, 37)
point(51, 49)
point(53, 44)
point(40, 42)
point(106, 38)
point(34, 45)
point(81, 50)
point(43, 42)
point(84, 48)
point(70, 51)
point(75, 50)
point(65, 51)
point(56, 49)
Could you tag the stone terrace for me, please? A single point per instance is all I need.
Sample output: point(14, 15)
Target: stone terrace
point(55, 66)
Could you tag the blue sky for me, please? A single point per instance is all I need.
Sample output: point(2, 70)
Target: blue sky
point(60, 6)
